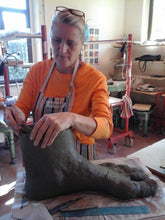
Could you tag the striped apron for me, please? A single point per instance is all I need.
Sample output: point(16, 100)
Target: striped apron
point(44, 105)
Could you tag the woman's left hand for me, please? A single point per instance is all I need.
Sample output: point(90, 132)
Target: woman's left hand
point(49, 126)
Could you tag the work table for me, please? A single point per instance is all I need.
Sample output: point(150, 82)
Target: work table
point(88, 200)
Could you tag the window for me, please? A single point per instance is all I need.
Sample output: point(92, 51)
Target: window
point(14, 15)
point(156, 30)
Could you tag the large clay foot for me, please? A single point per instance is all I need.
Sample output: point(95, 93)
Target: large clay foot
point(59, 169)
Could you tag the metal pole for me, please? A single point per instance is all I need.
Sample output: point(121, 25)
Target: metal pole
point(6, 79)
point(128, 75)
point(44, 42)
point(129, 66)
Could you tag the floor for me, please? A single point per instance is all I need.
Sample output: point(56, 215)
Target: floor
point(8, 172)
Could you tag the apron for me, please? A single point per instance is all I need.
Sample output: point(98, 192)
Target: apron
point(44, 105)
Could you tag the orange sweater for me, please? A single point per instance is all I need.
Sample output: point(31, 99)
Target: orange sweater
point(91, 96)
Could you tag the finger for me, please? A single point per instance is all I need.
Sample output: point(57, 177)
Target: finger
point(10, 120)
point(49, 136)
point(14, 117)
point(18, 115)
point(38, 132)
point(53, 136)
point(35, 129)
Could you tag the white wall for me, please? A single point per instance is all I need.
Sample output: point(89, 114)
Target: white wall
point(113, 17)
point(136, 18)
point(133, 17)
point(108, 15)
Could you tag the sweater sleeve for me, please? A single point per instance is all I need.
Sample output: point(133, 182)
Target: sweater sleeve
point(29, 92)
point(32, 85)
point(101, 111)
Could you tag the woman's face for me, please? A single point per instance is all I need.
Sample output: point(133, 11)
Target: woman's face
point(66, 46)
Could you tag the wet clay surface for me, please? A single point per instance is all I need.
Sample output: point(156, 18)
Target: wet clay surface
point(59, 170)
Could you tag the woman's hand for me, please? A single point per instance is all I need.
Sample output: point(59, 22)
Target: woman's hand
point(50, 125)
point(14, 118)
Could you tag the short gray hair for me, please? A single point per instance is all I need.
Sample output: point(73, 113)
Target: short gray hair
point(69, 19)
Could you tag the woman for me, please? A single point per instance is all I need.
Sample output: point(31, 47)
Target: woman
point(64, 92)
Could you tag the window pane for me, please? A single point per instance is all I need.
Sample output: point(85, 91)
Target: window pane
point(17, 74)
point(158, 30)
point(19, 4)
point(14, 21)
point(20, 47)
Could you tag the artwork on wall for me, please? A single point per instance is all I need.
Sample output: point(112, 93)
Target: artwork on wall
point(90, 50)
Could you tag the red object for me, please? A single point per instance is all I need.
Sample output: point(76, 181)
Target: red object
point(160, 122)
point(6, 79)
point(163, 111)
point(124, 133)
point(128, 75)
point(44, 42)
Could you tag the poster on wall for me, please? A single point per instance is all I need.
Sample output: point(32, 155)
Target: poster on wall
point(90, 49)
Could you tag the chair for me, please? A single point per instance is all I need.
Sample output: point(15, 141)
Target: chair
point(10, 141)
point(143, 112)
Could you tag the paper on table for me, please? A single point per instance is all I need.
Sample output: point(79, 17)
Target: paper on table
point(156, 204)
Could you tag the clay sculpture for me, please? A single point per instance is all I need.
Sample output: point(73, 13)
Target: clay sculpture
point(59, 170)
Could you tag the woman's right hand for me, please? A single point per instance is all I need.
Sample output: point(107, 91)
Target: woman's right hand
point(14, 118)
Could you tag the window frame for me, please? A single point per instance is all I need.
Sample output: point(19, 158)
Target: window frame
point(26, 12)
point(151, 8)
point(15, 10)
point(150, 23)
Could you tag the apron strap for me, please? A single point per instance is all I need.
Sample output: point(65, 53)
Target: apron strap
point(74, 73)
point(71, 93)
point(47, 77)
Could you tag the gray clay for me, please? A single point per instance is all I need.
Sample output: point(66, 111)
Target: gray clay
point(59, 170)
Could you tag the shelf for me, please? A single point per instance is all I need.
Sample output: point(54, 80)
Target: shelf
point(28, 36)
point(149, 45)
point(117, 88)
point(147, 92)
point(15, 35)
point(156, 77)
point(104, 41)
point(155, 62)
point(151, 62)
point(22, 65)
point(134, 44)
point(25, 65)
point(113, 101)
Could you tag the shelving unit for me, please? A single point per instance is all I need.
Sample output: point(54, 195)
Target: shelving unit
point(16, 36)
point(154, 76)
point(126, 133)
point(151, 77)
